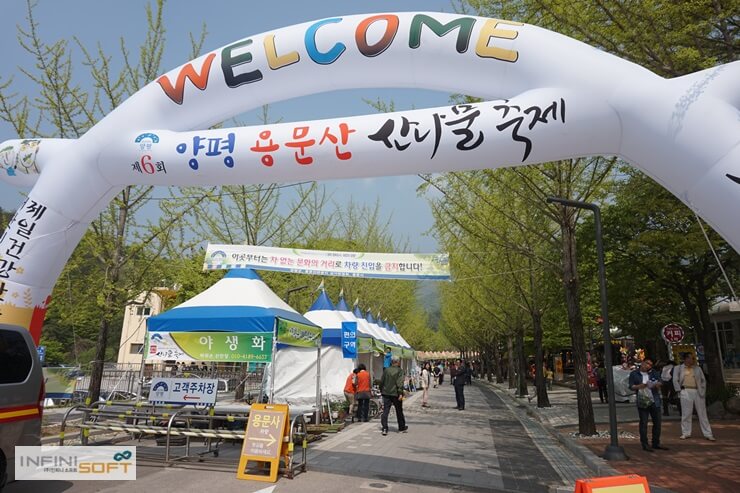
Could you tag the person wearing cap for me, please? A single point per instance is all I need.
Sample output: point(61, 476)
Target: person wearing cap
point(391, 388)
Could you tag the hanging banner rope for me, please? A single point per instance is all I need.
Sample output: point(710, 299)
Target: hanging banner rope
point(408, 266)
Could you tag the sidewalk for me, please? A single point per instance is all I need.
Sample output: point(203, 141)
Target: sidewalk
point(496, 444)
point(485, 447)
point(689, 466)
point(490, 446)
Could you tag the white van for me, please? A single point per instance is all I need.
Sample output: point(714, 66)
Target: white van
point(21, 396)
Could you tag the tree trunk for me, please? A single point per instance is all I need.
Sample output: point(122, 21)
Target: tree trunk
point(510, 367)
point(96, 369)
point(239, 393)
point(708, 337)
point(498, 362)
point(698, 316)
point(489, 365)
point(521, 364)
point(543, 399)
point(586, 424)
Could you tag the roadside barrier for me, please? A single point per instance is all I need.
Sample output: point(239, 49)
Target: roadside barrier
point(149, 419)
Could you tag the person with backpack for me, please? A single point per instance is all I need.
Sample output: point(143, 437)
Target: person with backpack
point(391, 388)
point(437, 378)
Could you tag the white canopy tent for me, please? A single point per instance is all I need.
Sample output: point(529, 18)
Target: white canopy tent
point(296, 373)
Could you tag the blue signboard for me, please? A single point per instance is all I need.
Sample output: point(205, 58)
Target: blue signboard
point(349, 340)
point(42, 353)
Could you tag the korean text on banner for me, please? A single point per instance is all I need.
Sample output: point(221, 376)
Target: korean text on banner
point(297, 334)
point(228, 347)
point(410, 266)
point(349, 340)
point(183, 391)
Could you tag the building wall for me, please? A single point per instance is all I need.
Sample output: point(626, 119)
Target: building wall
point(133, 332)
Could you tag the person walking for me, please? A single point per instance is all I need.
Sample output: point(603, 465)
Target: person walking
point(391, 388)
point(363, 393)
point(549, 376)
point(436, 375)
point(459, 377)
point(601, 382)
point(668, 393)
point(646, 384)
point(350, 389)
point(441, 373)
point(426, 382)
point(689, 381)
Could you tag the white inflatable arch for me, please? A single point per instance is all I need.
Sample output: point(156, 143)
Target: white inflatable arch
point(548, 97)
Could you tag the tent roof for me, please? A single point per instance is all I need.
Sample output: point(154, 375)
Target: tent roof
point(323, 302)
point(347, 315)
point(240, 302)
point(342, 305)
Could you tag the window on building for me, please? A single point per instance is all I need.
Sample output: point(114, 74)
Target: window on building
point(136, 348)
point(143, 311)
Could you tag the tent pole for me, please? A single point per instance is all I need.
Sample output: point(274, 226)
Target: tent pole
point(318, 385)
point(274, 357)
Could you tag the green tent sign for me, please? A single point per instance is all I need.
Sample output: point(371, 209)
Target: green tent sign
point(364, 345)
point(378, 346)
point(229, 347)
point(297, 334)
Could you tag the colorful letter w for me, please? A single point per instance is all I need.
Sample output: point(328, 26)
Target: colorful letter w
point(199, 80)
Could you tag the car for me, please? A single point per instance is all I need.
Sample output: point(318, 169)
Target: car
point(117, 396)
point(21, 396)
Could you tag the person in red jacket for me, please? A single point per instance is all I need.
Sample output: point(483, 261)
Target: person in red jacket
point(363, 393)
point(350, 389)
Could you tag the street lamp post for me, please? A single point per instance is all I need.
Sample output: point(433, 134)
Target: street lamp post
point(293, 290)
point(613, 450)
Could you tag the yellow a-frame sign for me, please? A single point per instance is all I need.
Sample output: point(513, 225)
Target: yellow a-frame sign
point(263, 441)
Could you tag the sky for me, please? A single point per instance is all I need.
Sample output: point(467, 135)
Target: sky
point(106, 22)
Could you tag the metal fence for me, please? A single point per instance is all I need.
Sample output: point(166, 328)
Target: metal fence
point(131, 378)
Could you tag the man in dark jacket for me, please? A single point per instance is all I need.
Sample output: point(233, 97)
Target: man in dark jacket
point(646, 383)
point(459, 378)
point(391, 388)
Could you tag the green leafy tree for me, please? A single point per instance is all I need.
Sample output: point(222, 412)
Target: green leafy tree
point(117, 256)
point(664, 245)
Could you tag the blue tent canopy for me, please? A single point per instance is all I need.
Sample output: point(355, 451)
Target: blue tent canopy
point(323, 302)
point(331, 323)
point(342, 305)
point(240, 302)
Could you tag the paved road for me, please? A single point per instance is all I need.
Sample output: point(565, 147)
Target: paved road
point(491, 446)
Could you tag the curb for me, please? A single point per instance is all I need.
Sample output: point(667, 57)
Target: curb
point(598, 465)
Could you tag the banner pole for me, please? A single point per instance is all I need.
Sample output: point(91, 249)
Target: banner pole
point(274, 357)
point(318, 384)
